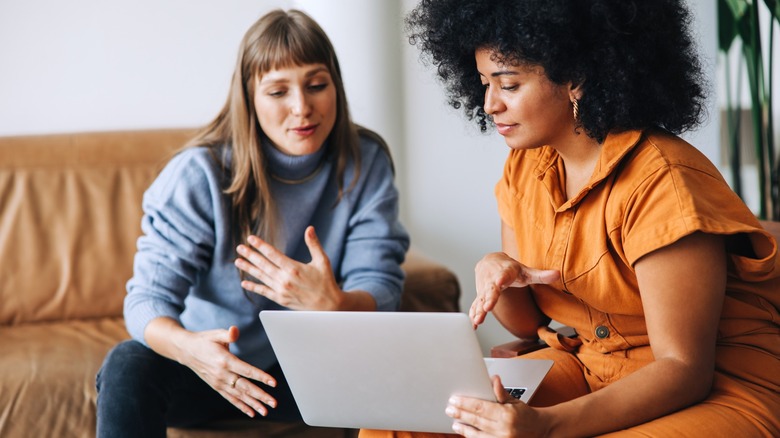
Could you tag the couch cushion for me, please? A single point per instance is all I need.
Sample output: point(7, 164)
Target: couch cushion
point(70, 210)
point(429, 286)
point(48, 385)
point(48, 376)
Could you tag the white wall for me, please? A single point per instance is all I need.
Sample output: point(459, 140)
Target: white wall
point(86, 65)
point(707, 137)
point(92, 64)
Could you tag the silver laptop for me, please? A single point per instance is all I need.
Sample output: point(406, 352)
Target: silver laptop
point(388, 370)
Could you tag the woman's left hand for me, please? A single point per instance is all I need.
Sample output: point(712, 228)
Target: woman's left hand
point(299, 286)
point(508, 417)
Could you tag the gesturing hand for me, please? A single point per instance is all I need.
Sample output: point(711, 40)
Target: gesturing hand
point(208, 355)
point(290, 283)
point(496, 272)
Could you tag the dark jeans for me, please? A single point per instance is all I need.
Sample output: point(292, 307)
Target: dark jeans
point(140, 393)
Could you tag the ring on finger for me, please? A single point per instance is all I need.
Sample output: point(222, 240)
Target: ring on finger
point(233, 384)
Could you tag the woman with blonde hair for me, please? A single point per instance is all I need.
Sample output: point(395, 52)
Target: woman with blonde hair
point(281, 202)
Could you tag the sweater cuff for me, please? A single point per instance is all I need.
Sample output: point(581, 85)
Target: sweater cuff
point(138, 315)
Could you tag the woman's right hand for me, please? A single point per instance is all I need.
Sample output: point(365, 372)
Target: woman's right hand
point(207, 353)
point(498, 271)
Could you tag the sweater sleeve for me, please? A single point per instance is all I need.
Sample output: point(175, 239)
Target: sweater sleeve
point(177, 240)
point(376, 242)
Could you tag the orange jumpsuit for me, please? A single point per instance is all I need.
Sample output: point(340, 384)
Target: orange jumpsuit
point(649, 189)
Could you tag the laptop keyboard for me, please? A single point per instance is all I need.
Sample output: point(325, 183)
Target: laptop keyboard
point(516, 392)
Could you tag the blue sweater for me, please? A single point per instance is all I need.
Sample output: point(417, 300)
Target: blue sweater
point(184, 265)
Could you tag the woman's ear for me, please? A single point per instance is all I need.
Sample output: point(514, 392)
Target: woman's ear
point(575, 91)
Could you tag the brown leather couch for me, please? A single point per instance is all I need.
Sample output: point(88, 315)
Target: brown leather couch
point(70, 210)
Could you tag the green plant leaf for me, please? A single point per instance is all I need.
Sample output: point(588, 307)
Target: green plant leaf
point(739, 19)
point(747, 26)
point(727, 24)
point(738, 7)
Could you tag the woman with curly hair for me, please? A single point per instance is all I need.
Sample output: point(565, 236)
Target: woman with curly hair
point(611, 224)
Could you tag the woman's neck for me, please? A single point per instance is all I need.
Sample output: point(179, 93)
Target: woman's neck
point(580, 156)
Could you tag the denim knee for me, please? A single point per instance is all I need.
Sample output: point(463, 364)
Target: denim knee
point(129, 361)
point(133, 386)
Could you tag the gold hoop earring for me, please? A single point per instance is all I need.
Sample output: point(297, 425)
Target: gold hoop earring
point(576, 109)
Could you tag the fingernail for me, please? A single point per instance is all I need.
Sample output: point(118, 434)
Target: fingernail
point(271, 403)
point(271, 383)
point(450, 411)
point(456, 427)
point(240, 249)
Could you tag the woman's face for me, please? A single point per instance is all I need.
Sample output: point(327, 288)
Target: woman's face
point(296, 107)
point(528, 109)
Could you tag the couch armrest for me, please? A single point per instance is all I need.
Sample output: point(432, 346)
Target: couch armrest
point(523, 346)
point(429, 286)
point(516, 348)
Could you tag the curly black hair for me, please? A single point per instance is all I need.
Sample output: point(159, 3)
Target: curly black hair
point(636, 59)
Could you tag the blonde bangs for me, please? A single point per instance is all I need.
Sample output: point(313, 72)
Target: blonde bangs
point(286, 42)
